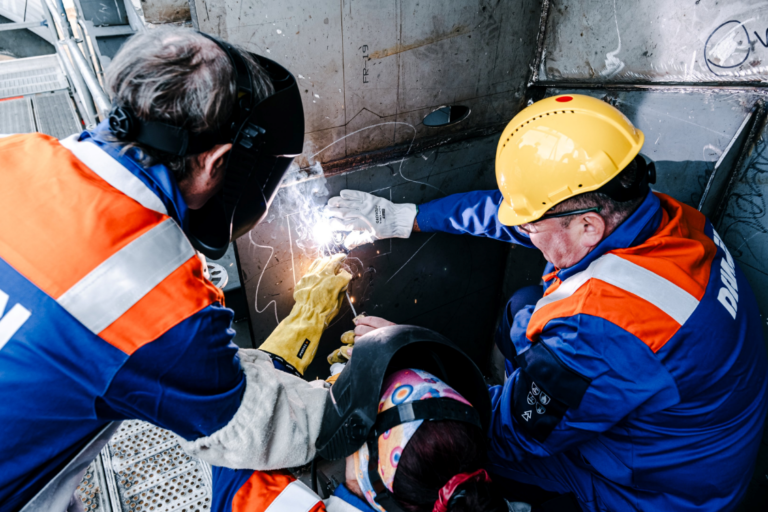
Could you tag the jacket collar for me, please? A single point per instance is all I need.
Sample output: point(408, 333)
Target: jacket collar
point(158, 178)
point(633, 231)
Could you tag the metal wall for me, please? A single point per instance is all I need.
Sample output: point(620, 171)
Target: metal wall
point(690, 75)
point(371, 70)
point(656, 41)
point(448, 283)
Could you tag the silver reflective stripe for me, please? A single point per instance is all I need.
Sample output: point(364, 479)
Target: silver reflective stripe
point(111, 171)
point(621, 273)
point(110, 289)
point(296, 497)
point(58, 492)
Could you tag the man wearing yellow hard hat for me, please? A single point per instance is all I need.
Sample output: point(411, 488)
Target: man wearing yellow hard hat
point(637, 375)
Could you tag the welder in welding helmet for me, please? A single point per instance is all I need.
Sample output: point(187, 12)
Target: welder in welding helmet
point(110, 314)
point(265, 134)
point(410, 413)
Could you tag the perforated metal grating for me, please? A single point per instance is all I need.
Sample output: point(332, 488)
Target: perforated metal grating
point(55, 114)
point(145, 470)
point(28, 76)
point(91, 493)
point(16, 116)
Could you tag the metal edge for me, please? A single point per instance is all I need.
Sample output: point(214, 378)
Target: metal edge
point(715, 172)
point(106, 502)
point(193, 14)
point(757, 86)
point(109, 472)
point(758, 125)
point(134, 20)
point(538, 58)
point(242, 284)
point(32, 112)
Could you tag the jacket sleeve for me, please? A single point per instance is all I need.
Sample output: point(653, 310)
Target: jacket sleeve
point(276, 425)
point(188, 380)
point(582, 376)
point(473, 213)
point(248, 491)
point(231, 407)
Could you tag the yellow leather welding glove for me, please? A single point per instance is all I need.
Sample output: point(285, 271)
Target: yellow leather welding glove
point(318, 297)
point(340, 355)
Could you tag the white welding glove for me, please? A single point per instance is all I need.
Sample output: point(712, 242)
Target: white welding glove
point(368, 218)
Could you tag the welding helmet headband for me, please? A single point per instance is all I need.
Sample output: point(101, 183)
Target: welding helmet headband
point(266, 136)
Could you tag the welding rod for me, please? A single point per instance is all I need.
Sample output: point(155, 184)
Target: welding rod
point(351, 306)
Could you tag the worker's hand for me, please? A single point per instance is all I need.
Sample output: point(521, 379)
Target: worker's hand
point(342, 354)
point(366, 324)
point(368, 218)
point(318, 298)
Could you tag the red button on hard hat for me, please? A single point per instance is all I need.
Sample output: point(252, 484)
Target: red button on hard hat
point(563, 99)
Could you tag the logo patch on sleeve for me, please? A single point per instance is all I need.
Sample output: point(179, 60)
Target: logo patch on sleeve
point(303, 349)
point(544, 390)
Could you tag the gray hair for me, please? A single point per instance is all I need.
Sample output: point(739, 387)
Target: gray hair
point(179, 77)
point(613, 212)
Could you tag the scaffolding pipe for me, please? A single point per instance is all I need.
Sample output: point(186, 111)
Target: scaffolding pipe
point(59, 17)
point(19, 26)
point(89, 77)
point(86, 101)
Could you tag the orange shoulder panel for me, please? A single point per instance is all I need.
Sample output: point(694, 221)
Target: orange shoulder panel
point(58, 219)
point(679, 251)
point(261, 489)
point(624, 309)
point(180, 295)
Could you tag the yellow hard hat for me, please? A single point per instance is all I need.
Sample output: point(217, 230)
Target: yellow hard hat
point(557, 148)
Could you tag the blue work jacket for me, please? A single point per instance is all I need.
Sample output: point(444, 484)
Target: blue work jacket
point(104, 311)
point(643, 366)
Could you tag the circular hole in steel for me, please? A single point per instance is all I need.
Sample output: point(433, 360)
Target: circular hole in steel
point(446, 116)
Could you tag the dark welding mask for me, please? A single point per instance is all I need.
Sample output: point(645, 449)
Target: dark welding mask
point(352, 417)
point(266, 136)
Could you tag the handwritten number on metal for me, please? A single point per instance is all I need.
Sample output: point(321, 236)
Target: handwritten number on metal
point(364, 48)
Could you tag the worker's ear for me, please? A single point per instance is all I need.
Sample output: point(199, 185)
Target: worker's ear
point(206, 178)
point(213, 160)
point(592, 228)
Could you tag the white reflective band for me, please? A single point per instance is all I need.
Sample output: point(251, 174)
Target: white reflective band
point(11, 321)
point(121, 281)
point(297, 497)
point(621, 273)
point(111, 171)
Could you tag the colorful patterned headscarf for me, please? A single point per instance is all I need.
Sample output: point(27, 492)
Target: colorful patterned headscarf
point(401, 387)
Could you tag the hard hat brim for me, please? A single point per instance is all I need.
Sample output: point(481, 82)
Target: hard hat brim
point(509, 217)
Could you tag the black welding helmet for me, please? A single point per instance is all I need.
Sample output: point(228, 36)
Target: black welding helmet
point(352, 416)
point(266, 136)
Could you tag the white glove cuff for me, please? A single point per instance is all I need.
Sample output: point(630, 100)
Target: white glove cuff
point(405, 214)
point(276, 425)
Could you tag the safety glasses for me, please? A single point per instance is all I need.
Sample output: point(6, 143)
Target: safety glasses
point(529, 227)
